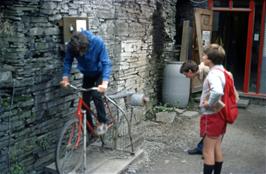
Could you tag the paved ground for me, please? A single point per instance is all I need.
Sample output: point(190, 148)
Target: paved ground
point(244, 146)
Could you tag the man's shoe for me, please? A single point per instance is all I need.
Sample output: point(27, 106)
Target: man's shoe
point(101, 129)
point(195, 151)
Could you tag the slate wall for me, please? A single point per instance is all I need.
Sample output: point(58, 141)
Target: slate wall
point(139, 35)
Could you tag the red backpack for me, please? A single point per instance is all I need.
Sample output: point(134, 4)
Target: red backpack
point(230, 111)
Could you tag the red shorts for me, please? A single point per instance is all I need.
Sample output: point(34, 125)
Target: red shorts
point(212, 125)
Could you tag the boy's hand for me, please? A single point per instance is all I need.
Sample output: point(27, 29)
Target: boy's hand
point(103, 87)
point(205, 104)
point(65, 82)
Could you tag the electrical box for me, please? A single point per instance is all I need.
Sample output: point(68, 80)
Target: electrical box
point(72, 24)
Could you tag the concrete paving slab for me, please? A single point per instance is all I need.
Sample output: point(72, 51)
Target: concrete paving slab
point(103, 161)
point(112, 165)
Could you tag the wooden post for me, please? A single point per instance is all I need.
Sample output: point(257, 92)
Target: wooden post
point(185, 41)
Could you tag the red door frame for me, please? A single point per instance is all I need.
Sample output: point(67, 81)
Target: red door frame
point(251, 11)
point(251, 17)
point(261, 46)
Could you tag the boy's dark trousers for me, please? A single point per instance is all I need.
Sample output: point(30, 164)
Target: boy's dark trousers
point(200, 145)
point(197, 150)
point(94, 95)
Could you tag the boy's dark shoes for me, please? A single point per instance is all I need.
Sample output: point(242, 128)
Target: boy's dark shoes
point(195, 151)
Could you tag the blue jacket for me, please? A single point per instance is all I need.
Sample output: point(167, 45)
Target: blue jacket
point(94, 62)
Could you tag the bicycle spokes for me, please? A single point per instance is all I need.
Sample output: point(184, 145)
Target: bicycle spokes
point(70, 148)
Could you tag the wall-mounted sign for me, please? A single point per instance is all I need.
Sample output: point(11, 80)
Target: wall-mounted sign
point(81, 25)
point(256, 37)
point(72, 24)
point(206, 38)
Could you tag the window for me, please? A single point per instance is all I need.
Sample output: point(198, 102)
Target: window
point(221, 3)
point(241, 3)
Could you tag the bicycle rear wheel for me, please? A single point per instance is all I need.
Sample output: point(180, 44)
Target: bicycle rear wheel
point(69, 151)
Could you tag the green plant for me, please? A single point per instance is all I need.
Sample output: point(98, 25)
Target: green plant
point(192, 105)
point(150, 114)
point(43, 143)
point(6, 27)
point(14, 151)
point(194, 100)
point(17, 169)
point(5, 103)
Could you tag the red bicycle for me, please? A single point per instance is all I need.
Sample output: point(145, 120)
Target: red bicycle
point(78, 132)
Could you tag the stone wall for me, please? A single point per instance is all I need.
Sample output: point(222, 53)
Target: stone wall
point(139, 35)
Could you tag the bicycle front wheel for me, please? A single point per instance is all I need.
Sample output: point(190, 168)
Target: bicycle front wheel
point(69, 151)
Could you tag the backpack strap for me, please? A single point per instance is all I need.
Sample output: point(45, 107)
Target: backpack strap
point(225, 72)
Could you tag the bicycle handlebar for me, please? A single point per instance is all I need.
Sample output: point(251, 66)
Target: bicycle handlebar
point(83, 89)
point(135, 99)
point(121, 95)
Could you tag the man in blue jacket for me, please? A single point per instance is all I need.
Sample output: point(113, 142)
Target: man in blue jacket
point(94, 64)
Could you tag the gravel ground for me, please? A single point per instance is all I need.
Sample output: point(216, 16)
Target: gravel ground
point(165, 145)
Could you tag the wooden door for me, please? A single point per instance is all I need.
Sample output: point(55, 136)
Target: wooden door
point(201, 37)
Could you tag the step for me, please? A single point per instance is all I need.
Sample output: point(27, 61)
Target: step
point(243, 103)
point(105, 161)
point(253, 98)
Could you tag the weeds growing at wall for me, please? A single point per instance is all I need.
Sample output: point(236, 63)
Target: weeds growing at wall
point(5, 26)
point(17, 169)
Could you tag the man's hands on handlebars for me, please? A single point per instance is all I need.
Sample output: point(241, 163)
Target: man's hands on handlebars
point(65, 82)
point(101, 88)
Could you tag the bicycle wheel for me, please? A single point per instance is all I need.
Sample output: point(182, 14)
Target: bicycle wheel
point(119, 134)
point(69, 151)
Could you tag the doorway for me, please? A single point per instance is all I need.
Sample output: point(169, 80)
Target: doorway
point(230, 31)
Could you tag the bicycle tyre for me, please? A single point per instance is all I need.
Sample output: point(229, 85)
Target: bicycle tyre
point(68, 154)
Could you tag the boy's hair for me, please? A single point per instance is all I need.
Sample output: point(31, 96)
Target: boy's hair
point(215, 53)
point(79, 43)
point(190, 65)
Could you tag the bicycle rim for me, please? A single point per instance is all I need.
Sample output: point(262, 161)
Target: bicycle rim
point(69, 151)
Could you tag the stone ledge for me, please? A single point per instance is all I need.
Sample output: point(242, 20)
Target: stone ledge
point(106, 162)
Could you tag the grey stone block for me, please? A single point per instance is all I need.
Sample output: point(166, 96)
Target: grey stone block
point(166, 117)
point(179, 111)
point(5, 78)
point(243, 103)
point(190, 114)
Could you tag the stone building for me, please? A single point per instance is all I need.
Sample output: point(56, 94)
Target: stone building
point(139, 35)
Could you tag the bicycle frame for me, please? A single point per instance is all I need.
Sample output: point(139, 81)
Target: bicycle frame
point(74, 139)
point(82, 107)
point(80, 112)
